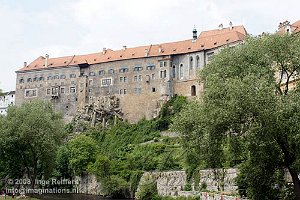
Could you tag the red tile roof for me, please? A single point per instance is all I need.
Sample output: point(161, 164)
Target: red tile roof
point(295, 27)
point(207, 40)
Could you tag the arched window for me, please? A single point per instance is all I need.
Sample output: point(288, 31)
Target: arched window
point(191, 62)
point(193, 90)
point(21, 80)
point(181, 71)
point(197, 61)
point(29, 80)
point(174, 71)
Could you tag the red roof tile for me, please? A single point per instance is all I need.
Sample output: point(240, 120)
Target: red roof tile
point(206, 40)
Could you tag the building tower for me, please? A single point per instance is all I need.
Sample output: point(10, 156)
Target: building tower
point(195, 35)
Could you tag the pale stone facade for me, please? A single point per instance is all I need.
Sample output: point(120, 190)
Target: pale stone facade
point(141, 77)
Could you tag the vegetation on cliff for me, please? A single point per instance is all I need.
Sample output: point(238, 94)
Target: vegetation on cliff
point(250, 115)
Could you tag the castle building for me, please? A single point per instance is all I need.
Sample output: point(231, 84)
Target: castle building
point(6, 99)
point(141, 77)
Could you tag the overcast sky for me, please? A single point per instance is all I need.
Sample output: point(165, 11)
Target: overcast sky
point(30, 28)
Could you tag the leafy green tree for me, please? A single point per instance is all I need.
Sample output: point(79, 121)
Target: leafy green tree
point(29, 137)
point(243, 99)
point(82, 151)
point(63, 167)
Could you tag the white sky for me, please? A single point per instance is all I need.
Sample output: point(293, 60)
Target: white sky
point(30, 28)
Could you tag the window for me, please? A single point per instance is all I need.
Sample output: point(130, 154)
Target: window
point(191, 62)
point(30, 93)
point(111, 71)
point(123, 79)
point(153, 89)
point(63, 76)
point(137, 90)
point(163, 63)
point(123, 91)
point(56, 77)
point(73, 83)
point(21, 80)
point(123, 70)
point(92, 74)
point(193, 90)
point(29, 80)
point(35, 79)
point(197, 61)
point(210, 56)
point(49, 78)
point(163, 74)
point(140, 78)
point(72, 90)
point(48, 91)
point(153, 76)
point(148, 78)
point(101, 72)
point(55, 91)
point(90, 90)
point(106, 82)
point(181, 71)
point(34, 93)
point(72, 75)
point(41, 79)
point(62, 90)
point(136, 69)
point(174, 71)
point(90, 82)
point(150, 67)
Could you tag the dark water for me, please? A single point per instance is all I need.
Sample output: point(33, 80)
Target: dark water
point(70, 197)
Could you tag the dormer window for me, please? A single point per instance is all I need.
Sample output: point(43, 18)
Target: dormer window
point(92, 73)
point(111, 71)
point(123, 70)
point(138, 69)
point(102, 72)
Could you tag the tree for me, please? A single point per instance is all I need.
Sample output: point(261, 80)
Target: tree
point(29, 137)
point(82, 151)
point(243, 99)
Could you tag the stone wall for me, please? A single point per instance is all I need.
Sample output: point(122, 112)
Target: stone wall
point(88, 184)
point(172, 183)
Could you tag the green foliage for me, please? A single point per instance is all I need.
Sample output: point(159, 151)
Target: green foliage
point(115, 186)
point(247, 116)
point(63, 167)
point(147, 189)
point(82, 151)
point(168, 111)
point(29, 138)
point(102, 167)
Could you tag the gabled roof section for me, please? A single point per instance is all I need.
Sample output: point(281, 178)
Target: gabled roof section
point(206, 40)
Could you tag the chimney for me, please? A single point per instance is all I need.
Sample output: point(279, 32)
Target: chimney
point(46, 60)
point(25, 64)
point(104, 50)
point(146, 52)
point(160, 50)
point(230, 25)
point(195, 36)
point(124, 47)
point(220, 26)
